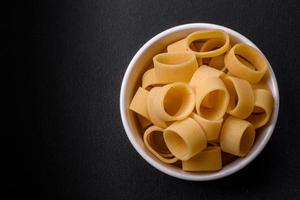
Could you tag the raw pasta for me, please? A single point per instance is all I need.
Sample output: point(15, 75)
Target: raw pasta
point(201, 117)
point(154, 141)
point(185, 138)
point(174, 67)
point(208, 160)
point(237, 136)
point(263, 106)
point(241, 97)
point(239, 69)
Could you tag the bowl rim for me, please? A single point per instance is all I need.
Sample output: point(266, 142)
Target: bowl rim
point(191, 177)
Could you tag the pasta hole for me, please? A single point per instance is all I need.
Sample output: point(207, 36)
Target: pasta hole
point(246, 62)
point(177, 101)
point(218, 109)
point(196, 45)
point(157, 142)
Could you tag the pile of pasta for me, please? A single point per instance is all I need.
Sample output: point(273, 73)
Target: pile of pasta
point(203, 100)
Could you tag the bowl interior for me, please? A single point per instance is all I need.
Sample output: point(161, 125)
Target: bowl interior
point(132, 79)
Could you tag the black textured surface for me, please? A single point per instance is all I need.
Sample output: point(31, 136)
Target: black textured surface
point(70, 57)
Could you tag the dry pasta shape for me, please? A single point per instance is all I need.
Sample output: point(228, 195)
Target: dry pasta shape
point(174, 67)
point(151, 103)
point(208, 160)
point(154, 141)
point(205, 35)
point(241, 70)
point(204, 72)
point(174, 101)
point(137, 103)
point(241, 101)
point(178, 47)
point(237, 136)
point(263, 107)
point(211, 127)
point(149, 79)
point(185, 138)
point(212, 86)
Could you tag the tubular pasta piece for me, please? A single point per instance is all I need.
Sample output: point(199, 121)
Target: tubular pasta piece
point(174, 101)
point(263, 107)
point(241, 70)
point(173, 67)
point(204, 72)
point(152, 114)
point(212, 86)
point(211, 128)
point(154, 141)
point(149, 79)
point(209, 159)
point(237, 136)
point(208, 34)
point(185, 138)
point(178, 47)
point(241, 101)
point(137, 103)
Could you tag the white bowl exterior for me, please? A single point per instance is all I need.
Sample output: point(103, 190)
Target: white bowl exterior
point(137, 66)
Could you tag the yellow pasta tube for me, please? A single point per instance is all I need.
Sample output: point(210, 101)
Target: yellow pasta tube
point(211, 127)
point(178, 47)
point(137, 103)
point(263, 107)
point(151, 103)
point(205, 35)
point(239, 69)
point(174, 101)
point(212, 86)
point(237, 136)
point(185, 138)
point(204, 72)
point(149, 79)
point(209, 159)
point(154, 141)
point(173, 67)
point(241, 101)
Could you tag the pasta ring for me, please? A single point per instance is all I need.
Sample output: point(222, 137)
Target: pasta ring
point(263, 106)
point(237, 136)
point(208, 34)
point(174, 101)
point(212, 86)
point(157, 146)
point(241, 101)
point(185, 138)
point(240, 69)
point(174, 67)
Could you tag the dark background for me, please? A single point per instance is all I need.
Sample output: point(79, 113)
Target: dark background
point(67, 61)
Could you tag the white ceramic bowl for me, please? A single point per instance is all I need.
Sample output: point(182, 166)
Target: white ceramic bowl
point(132, 78)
